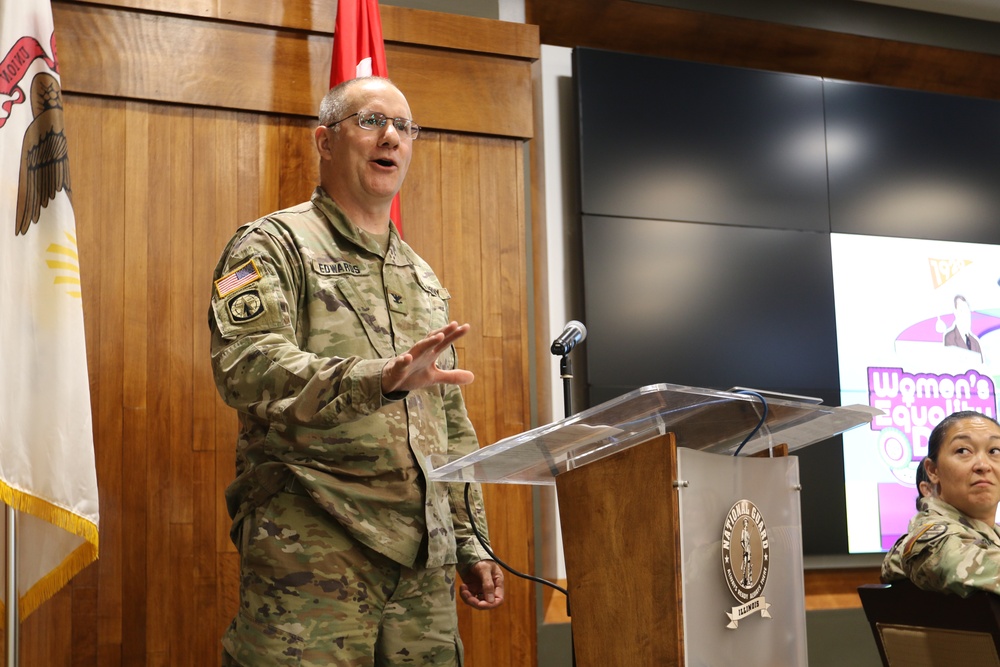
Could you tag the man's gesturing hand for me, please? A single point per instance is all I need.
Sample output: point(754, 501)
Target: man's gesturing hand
point(417, 368)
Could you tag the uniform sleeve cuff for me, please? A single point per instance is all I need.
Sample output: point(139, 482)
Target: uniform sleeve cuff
point(366, 392)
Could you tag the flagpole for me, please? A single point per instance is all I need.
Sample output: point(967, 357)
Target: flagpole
point(13, 623)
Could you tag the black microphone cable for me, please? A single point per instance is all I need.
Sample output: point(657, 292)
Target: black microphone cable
point(763, 418)
point(529, 577)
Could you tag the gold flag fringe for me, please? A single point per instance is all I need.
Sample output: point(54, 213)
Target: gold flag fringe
point(81, 557)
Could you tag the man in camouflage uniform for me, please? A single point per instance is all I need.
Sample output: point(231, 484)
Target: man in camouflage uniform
point(332, 340)
point(953, 544)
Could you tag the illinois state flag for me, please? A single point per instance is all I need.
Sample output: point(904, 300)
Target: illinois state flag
point(47, 470)
point(358, 50)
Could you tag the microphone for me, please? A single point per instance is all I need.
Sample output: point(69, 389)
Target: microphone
point(573, 333)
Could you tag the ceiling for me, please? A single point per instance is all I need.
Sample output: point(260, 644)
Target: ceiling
point(983, 10)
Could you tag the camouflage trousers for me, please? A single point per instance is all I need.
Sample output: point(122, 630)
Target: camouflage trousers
point(311, 595)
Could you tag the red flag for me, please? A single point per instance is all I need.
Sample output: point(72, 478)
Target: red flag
point(358, 50)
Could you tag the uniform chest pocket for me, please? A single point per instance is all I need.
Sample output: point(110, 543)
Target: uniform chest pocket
point(373, 317)
point(418, 297)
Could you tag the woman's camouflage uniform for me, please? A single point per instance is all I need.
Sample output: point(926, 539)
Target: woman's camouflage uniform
point(944, 550)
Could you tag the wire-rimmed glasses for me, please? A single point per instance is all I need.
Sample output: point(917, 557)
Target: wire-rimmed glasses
point(374, 120)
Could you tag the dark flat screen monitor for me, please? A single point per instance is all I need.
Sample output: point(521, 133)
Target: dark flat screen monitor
point(796, 235)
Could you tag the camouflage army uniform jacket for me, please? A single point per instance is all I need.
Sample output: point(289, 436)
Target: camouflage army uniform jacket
point(306, 311)
point(943, 550)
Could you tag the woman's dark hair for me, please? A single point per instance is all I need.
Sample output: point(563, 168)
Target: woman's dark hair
point(937, 435)
point(921, 477)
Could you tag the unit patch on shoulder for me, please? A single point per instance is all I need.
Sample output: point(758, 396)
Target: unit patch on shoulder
point(931, 532)
point(238, 278)
point(927, 533)
point(245, 307)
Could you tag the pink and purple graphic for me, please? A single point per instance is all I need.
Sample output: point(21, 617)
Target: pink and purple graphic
point(918, 337)
point(913, 404)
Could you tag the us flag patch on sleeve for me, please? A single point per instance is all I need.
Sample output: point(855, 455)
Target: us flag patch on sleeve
point(238, 278)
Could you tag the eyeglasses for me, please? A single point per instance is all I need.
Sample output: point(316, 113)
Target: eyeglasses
point(373, 120)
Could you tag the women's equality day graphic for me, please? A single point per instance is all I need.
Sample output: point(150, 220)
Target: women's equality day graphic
point(918, 337)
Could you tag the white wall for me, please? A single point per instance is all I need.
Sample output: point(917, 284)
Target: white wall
point(558, 147)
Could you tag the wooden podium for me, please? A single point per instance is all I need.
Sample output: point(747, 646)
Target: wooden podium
point(677, 552)
point(622, 553)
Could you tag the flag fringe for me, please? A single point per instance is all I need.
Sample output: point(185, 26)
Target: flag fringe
point(51, 583)
point(46, 511)
point(62, 518)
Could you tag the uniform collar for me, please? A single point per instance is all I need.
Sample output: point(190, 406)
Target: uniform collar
point(347, 229)
point(938, 506)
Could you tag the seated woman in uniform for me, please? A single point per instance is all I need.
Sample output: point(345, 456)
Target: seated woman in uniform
point(953, 543)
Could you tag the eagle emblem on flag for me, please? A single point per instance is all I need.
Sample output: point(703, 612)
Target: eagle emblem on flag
point(44, 154)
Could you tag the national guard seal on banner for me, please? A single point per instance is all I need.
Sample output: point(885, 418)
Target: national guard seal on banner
point(745, 561)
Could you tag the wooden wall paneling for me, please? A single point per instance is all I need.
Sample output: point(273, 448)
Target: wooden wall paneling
point(174, 253)
point(520, 633)
point(181, 59)
point(511, 270)
point(106, 215)
point(167, 200)
point(214, 156)
point(273, 170)
point(486, 94)
point(399, 24)
point(43, 632)
point(85, 595)
point(205, 212)
point(421, 204)
point(244, 185)
point(477, 628)
point(180, 626)
point(837, 588)
point(180, 363)
point(489, 160)
point(221, 166)
point(501, 222)
point(96, 127)
point(509, 629)
point(489, 399)
point(512, 347)
point(248, 150)
point(235, 192)
point(494, 201)
point(456, 33)
point(458, 203)
point(186, 60)
point(135, 441)
point(299, 162)
point(462, 270)
point(474, 234)
point(635, 27)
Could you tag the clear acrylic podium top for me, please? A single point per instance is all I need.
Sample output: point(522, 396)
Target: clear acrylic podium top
point(702, 419)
